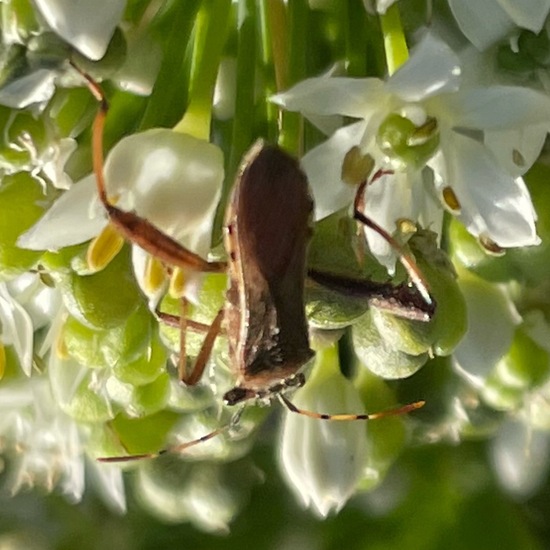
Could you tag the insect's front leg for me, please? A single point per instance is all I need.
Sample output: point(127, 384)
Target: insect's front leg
point(132, 227)
point(405, 257)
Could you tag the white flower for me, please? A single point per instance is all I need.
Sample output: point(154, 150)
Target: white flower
point(172, 179)
point(45, 156)
point(324, 460)
point(16, 329)
point(34, 87)
point(520, 457)
point(26, 305)
point(492, 321)
point(49, 445)
point(492, 202)
point(489, 21)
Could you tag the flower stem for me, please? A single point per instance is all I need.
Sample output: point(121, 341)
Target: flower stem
point(291, 136)
point(210, 33)
point(395, 44)
point(243, 122)
point(272, 25)
point(354, 22)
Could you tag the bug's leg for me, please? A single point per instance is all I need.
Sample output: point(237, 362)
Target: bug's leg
point(174, 321)
point(405, 257)
point(401, 300)
point(347, 417)
point(204, 353)
point(211, 331)
point(176, 449)
point(132, 227)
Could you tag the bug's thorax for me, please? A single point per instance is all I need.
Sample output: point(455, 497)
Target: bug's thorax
point(266, 235)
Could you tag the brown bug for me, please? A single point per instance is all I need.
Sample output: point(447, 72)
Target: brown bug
point(266, 232)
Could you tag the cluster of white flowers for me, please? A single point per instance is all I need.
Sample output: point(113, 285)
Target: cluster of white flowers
point(445, 137)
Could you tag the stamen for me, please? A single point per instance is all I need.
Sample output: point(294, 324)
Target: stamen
point(356, 167)
point(490, 246)
point(155, 275)
point(2, 360)
point(451, 200)
point(177, 283)
point(104, 248)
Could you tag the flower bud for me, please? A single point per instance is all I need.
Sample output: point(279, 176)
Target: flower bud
point(324, 460)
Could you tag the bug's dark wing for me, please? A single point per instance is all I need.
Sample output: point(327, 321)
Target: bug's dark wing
point(268, 229)
point(274, 212)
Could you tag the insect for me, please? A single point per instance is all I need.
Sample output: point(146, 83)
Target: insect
point(266, 232)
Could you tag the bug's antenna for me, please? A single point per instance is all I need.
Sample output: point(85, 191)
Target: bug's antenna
point(347, 417)
point(176, 449)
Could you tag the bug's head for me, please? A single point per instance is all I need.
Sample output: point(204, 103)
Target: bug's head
point(237, 395)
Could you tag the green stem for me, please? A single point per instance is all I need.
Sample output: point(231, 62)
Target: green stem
point(395, 44)
point(167, 102)
point(272, 24)
point(210, 33)
point(291, 131)
point(354, 22)
point(243, 122)
point(244, 118)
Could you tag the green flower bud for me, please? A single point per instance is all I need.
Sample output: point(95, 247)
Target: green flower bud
point(139, 401)
point(380, 356)
point(104, 299)
point(22, 203)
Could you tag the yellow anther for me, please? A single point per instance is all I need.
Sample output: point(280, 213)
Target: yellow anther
point(155, 275)
point(490, 246)
point(406, 226)
point(451, 200)
point(356, 167)
point(177, 283)
point(2, 360)
point(423, 133)
point(61, 347)
point(104, 248)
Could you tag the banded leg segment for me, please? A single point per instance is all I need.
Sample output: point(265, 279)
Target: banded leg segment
point(398, 411)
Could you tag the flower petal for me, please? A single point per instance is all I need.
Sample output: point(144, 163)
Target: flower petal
point(70, 220)
point(528, 14)
point(17, 329)
point(520, 458)
point(499, 108)
point(483, 23)
point(110, 484)
point(323, 166)
point(87, 26)
point(493, 203)
point(517, 150)
point(432, 69)
point(313, 451)
point(173, 180)
point(327, 95)
point(492, 320)
point(35, 87)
